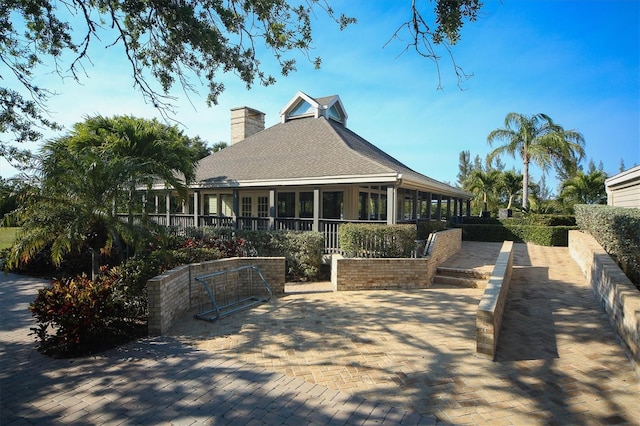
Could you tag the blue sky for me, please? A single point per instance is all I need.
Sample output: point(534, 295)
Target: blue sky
point(576, 61)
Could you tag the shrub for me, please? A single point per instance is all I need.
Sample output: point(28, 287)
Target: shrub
point(617, 230)
point(542, 235)
point(82, 313)
point(426, 227)
point(302, 249)
point(369, 240)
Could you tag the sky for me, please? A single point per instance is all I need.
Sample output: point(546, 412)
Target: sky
point(576, 61)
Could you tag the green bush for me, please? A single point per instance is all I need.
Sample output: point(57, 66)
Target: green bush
point(530, 220)
point(369, 240)
point(542, 235)
point(302, 249)
point(426, 227)
point(617, 230)
point(80, 311)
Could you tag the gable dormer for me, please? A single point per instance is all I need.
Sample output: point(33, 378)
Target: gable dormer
point(303, 105)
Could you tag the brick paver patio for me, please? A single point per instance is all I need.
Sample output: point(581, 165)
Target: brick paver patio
point(345, 358)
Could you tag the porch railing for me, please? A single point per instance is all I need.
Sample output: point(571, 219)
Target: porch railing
point(328, 227)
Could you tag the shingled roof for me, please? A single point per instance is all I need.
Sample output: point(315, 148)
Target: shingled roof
point(309, 150)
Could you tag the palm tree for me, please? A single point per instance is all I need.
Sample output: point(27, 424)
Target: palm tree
point(82, 176)
point(537, 138)
point(585, 188)
point(152, 151)
point(484, 182)
point(72, 209)
point(511, 183)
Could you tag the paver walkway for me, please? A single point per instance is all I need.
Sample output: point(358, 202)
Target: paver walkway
point(345, 358)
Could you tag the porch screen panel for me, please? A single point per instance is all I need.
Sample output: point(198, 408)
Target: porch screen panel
point(374, 205)
point(306, 204)
point(286, 204)
point(383, 206)
point(362, 206)
point(333, 205)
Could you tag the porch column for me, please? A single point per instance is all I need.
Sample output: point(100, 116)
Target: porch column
point(196, 207)
point(167, 203)
point(236, 209)
point(455, 207)
point(391, 205)
point(429, 201)
point(448, 209)
point(414, 212)
point(272, 209)
point(468, 208)
point(316, 209)
point(439, 208)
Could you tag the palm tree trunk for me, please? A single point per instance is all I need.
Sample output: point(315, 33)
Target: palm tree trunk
point(525, 184)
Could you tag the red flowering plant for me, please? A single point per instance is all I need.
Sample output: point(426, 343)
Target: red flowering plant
point(76, 316)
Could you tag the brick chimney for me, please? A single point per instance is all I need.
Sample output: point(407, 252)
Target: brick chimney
point(245, 122)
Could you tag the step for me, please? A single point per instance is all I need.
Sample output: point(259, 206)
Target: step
point(462, 273)
point(466, 278)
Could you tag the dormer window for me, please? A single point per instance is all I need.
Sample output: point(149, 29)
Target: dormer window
point(302, 109)
point(303, 105)
point(335, 114)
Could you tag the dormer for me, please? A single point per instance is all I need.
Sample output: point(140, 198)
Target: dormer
point(303, 105)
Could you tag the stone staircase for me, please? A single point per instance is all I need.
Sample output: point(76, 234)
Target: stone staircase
point(456, 277)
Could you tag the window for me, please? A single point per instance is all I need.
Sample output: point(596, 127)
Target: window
point(286, 204)
point(211, 204)
point(335, 114)
point(306, 204)
point(246, 207)
point(263, 206)
point(333, 205)
point(227, 204)
point(301, 109)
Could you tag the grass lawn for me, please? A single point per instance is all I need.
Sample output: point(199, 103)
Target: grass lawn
point(7, 235)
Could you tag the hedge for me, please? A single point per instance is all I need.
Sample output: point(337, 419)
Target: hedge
point(369, 240)
point(617, 230)
point(529, 220)
point(541, 235)
point(302, 249)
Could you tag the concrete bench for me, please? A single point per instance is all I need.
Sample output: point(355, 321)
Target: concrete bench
point(491, 307)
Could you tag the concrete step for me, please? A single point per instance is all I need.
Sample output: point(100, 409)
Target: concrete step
point(467, 278)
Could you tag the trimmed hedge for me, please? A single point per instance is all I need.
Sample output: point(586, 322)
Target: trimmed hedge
point(369, 240)
point(529, 220)
point(426, 227)
point(617, 230)
point(541, 235)
point(302, 250)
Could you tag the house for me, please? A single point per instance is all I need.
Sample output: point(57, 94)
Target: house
point(310, 172)
point(623, 189)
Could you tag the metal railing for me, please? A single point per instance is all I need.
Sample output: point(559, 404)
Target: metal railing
point(231, 291)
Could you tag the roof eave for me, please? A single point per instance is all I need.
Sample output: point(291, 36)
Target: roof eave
point(382, 178)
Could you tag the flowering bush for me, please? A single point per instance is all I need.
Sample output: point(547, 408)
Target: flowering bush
point(80, 312)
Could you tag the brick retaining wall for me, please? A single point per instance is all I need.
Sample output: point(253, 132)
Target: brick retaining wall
point(378, 274)
point(175, 292)
point(617, 295)
point(491, 307)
